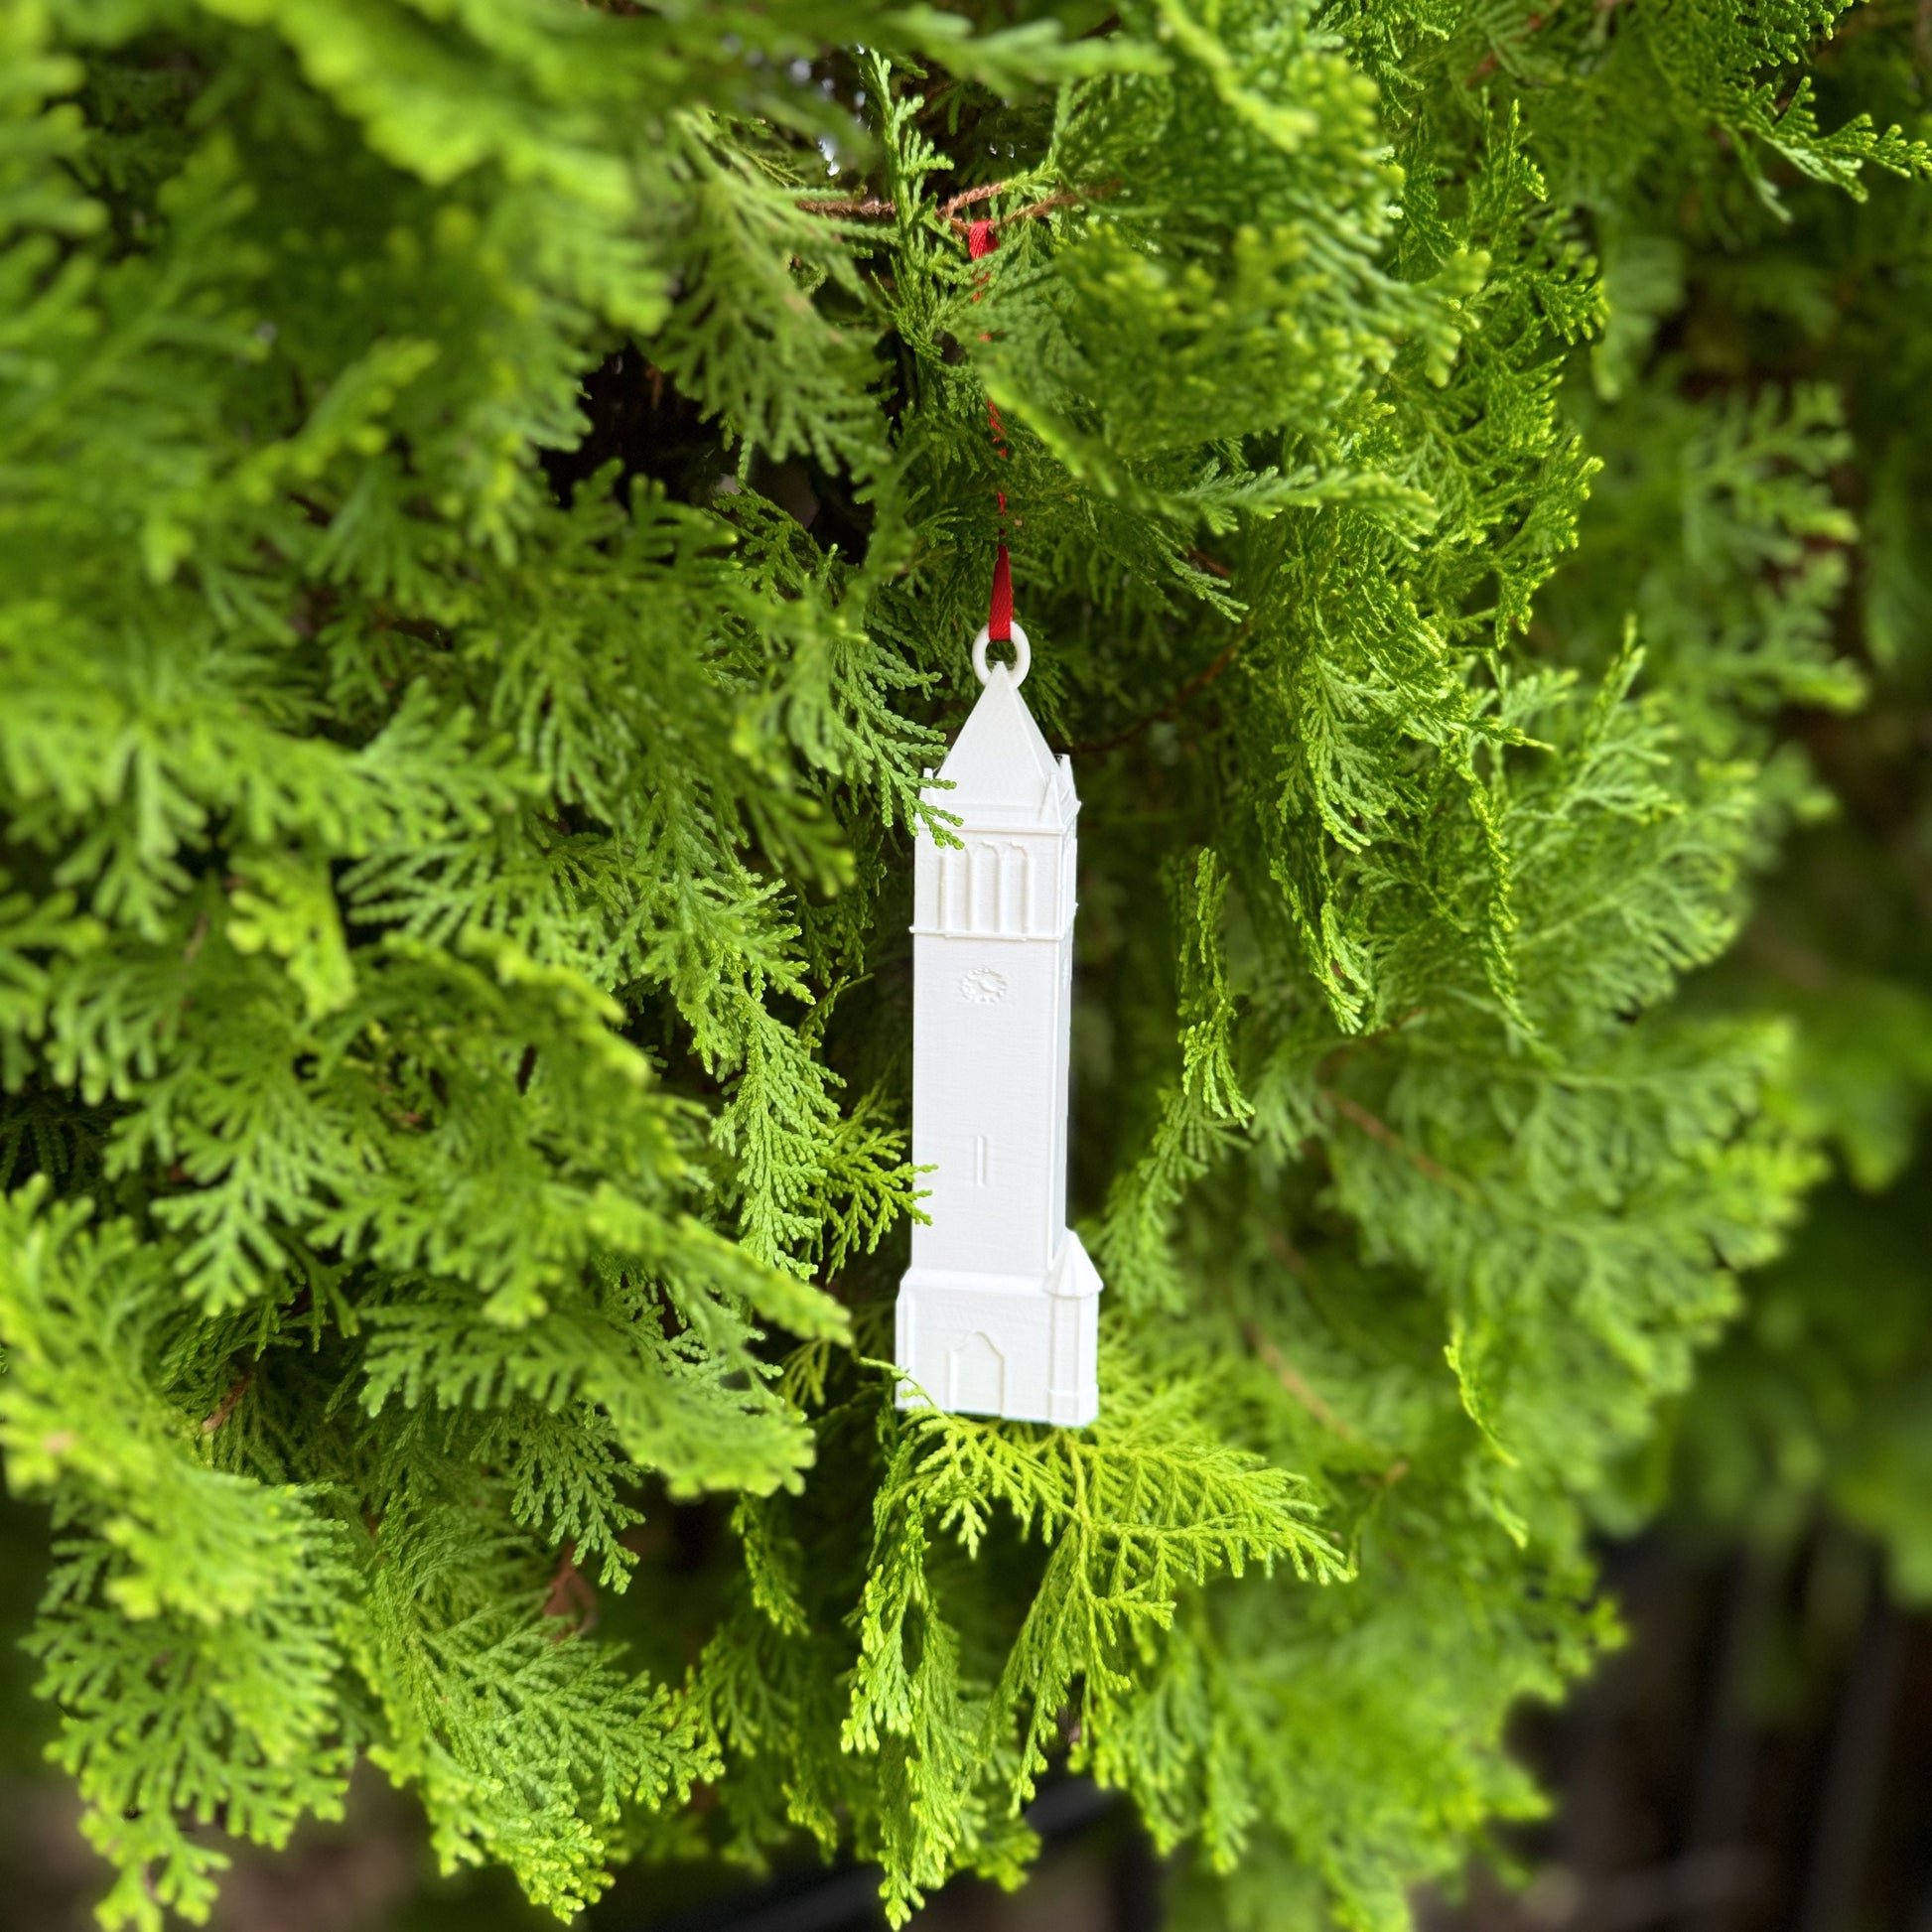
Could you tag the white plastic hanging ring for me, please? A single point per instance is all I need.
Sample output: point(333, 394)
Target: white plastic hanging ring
point(1023, 654)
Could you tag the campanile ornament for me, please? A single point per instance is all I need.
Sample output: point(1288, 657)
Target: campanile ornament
point(998, 1313)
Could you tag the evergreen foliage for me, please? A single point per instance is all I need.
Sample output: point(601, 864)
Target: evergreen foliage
point(493, 501)
point(1818, 1399)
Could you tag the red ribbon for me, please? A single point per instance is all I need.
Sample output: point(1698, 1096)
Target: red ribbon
point(999, 617)
point(980, 242)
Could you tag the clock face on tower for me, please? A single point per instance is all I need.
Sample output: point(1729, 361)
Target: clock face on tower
point(983, 985)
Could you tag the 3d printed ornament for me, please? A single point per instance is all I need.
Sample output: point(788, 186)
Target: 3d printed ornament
point(997, 1314)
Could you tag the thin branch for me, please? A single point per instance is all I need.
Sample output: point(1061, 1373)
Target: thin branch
point(878, 208)
point(1288, 1254)
point(1292, 1379)
point(1379, 1129)
point(1062, 198)
point(1491, 61)
point(227, 1406)
point(968, 195)
point(572, 1599)
point(1191, 689)
point(873, 208)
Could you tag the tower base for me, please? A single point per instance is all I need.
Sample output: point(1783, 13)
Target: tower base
point(1022, 1346)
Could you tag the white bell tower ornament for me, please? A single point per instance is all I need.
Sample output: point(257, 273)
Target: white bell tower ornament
point(998, 1313)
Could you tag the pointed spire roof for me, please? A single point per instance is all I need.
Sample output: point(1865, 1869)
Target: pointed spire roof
point(1001, 768)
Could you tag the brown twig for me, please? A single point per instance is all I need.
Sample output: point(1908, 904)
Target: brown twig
point(876, 207)
point(227, 1406)
point(871, 207)
point(1060, 198)
point(880, 207)
point(1194, 686)
point(1792, 962)
point(1292, 1379)
point(1288, 1254)
point(968, 195)
point(1379, 1129)
point(1491, 61)
point(572, 1597)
